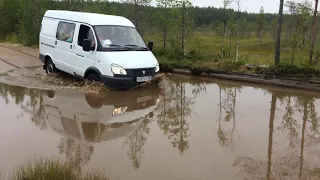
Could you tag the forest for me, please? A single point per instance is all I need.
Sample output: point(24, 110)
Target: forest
point(189, 36)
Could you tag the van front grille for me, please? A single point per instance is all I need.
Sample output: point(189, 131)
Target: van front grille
point(143, 72)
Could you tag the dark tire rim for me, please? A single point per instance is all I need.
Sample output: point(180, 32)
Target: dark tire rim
point(92, 77)
point(50, 68)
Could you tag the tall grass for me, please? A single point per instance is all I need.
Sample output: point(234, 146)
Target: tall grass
point(51, 169)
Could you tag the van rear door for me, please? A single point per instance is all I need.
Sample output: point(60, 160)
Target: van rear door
point(48, 37)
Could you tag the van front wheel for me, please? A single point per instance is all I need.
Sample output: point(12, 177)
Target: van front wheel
point(93, 77)
point(50, 67)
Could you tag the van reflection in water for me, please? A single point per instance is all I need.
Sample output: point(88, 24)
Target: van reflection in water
point(99, 117)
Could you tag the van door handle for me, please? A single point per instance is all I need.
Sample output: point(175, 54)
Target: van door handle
point(70, 46)
point(55, 43)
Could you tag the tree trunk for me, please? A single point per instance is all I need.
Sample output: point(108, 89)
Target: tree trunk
point(136, 13)
point(165, 27)
point(238, 31)
point(183, 28)
point(237, 47)
point(313, 32)
point(260, 38)
point(230, 44)
point(278, 40)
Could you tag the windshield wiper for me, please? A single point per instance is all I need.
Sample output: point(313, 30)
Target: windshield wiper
point(137, 46)
point(117, 45)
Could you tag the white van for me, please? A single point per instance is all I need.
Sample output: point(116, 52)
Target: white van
point(96, 47)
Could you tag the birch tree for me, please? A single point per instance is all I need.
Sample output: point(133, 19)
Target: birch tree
point(238, 2)
point(165, 6)
point(313, 32)
point(261, 24)
point(226, 3)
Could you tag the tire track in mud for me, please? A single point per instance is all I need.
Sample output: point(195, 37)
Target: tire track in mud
point(34, 58)
point(10, 63)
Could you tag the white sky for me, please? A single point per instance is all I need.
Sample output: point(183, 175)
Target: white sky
point(271, 6)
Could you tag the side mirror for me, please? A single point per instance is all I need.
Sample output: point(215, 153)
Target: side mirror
point(86, 46)
point(150, 45)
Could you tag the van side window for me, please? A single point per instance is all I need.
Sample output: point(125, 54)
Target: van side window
point(65, 32)
point(86, 32)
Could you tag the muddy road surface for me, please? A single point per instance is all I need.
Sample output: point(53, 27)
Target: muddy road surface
point(187, 128)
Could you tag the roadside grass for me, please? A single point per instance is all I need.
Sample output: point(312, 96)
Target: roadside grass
point(282, 70)
point(208, 58)
point(52, 169)
point(250, 51)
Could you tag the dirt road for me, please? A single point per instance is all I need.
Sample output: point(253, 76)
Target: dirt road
point(16, 56)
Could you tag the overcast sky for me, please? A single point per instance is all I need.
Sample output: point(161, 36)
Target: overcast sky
point(271, 6)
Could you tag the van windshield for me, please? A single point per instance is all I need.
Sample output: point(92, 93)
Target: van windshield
point(119, 37)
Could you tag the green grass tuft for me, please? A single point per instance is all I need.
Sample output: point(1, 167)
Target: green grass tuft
point(50, 169)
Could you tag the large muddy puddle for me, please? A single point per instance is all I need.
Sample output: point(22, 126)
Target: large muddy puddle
point(188, 128)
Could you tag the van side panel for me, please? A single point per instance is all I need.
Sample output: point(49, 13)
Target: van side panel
point(47, 38)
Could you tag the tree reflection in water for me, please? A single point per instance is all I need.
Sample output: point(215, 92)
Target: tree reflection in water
point(30, 100)
point(176, 106)
point(227, 108)
point(136, 140)
point(291, 163)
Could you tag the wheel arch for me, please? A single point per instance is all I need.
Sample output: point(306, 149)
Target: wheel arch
point(47, 57)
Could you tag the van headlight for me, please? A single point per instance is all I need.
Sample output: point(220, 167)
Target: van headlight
point(119, 111)
point(116, 69)
point(157, 68)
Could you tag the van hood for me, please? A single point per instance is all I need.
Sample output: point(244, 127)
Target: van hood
point(132, 59)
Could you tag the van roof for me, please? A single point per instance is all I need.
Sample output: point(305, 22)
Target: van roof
point(89, 18)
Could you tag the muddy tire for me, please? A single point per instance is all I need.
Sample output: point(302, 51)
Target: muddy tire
point(50, 67)
point(93, 77)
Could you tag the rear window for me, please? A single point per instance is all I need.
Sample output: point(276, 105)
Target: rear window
point(49, 27)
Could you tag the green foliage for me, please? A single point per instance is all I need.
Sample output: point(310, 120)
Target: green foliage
point(291, 70)
point(299, 25)
point(9, 14)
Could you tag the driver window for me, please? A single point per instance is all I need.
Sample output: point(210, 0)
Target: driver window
point(86, 32)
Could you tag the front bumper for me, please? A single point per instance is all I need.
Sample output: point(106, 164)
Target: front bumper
point(120, 82)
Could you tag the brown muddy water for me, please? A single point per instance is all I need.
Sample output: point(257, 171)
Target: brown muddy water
point(188, 128)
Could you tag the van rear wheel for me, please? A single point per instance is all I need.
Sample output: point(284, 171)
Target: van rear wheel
point(50, 67)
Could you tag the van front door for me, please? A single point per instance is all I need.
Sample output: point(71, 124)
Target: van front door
point(84, 59)
point(64, 46)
